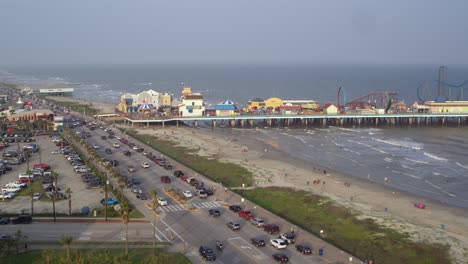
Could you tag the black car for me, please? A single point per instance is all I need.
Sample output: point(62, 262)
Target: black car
point(85, 210)
point(304, 249)
point(207, 253)
point(108, 151)
point(114, 163)
point(235, 208)
point(127, 153)
point(214, 212)
point(4, 220)
point(258, 242)
point(281, 258)
point(178, 173)
point(142, 196)
point(209, 192)
point(103, 137)
point(22, 219)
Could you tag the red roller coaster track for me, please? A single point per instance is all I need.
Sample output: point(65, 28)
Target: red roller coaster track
point(375, 99)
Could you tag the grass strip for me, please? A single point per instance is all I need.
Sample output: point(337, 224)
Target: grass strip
point(97, 256)
point(231, 175)
point(130, 243)
point(364, 239)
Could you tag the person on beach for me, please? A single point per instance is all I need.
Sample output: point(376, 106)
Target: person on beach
point(385, 180)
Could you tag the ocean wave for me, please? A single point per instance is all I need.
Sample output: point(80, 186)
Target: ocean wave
point(439, 174)
point(388, 159)
point(434, 157)
point(463, 166)
point(301, 139)
point(410, 175)
point(404, 144)
point(417, 161)
point(346, 129)
point(369, 146)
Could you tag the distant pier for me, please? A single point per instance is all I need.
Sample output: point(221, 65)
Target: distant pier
point(308, 120)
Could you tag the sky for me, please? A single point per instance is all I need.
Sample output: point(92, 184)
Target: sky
point(233, 32)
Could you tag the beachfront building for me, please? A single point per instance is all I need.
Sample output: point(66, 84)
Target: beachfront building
point(330, 109)
point(290, 109)
point(226, 108)
point(191, 103)
point(133, 102)
point(447, 106)
point(277, 105)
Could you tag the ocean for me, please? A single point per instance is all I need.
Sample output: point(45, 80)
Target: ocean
point(430, 162)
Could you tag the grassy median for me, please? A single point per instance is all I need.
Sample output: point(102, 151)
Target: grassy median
point(362, 238)
point(229, 174)
point(97, 256)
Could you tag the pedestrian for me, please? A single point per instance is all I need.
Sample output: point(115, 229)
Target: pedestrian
point(225, 189)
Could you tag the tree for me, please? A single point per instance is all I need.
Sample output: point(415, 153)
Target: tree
point(19, 237)
point(125, 218)
point(66, 241)
point(54, 177)
point(69, 192)
point(154, 205)
point(46, 254)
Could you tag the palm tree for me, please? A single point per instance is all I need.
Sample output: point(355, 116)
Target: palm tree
point(69, 192)
point(121, 183)
point(125, 218)
point(154, 205)
point(54, 177)
point(32, 202)
point(46, 255)
point(66, 241)
point(18, 237)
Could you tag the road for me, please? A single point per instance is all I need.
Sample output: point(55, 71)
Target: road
point(190, 229)
point(105, 232)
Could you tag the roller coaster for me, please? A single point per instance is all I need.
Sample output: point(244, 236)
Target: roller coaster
point(424, 94)
point(374, 99)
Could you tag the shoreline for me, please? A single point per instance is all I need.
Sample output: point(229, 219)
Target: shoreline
point(369, 199)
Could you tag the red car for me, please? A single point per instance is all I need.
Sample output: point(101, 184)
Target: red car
point(24, 180)
point(165, 179)
point(247, 215)
point(42, 166)
point(183, 178)
point(61, 144)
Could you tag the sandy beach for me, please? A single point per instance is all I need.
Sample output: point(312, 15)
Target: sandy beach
point(369, 200)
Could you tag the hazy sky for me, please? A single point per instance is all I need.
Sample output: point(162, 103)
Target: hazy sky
point(234, 31)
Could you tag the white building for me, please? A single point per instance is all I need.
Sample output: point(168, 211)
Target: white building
point(191, 103)
point(131, 102)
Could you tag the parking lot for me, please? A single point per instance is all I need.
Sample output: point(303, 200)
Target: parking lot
point(67, 178)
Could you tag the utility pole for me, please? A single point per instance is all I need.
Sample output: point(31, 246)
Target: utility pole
point(105, 201)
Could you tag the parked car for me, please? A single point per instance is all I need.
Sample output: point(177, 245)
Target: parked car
point(131, 168)
point(202, 194)
point(108, 151)
point(165, 179)
point(188, 193)
point(145, 165)
point(258, 242)
point(278, 243)
point(22, 219)
point(207, 253)
point(304, 249)
point(209, 192)
point(41, 165)
point(85, 210)
point(233, 226)
point(289, 237)
point(178, 173)
point(116, 145)
point(247, 215)
point(127, 153)
point(162, 201)
point(110, 201)
point(214, 212)
point(7, 195)
point(36, 196)
point(235, 208)
point(271, 228)
point(258, 222)
point(142, 196)
point(280, 257)
point(4, 220)
point(168, 167)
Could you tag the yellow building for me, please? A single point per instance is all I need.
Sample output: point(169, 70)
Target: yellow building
point(166, 100)
point(448, 106)
point(255, 104)
point(273, 103)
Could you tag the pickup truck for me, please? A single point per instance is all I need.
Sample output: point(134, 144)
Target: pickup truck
point(11, 189)
point(16, 184)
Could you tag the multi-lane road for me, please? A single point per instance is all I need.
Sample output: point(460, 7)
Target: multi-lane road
point(189, 229)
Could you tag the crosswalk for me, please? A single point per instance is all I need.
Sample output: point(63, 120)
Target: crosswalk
point(206, 205)
point(175, 208)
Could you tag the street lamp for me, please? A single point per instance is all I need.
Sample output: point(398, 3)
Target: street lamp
point(107, 182)
point(321, 233)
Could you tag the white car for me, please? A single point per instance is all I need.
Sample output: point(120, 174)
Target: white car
point(56, 152)
point(188, 193)
point(278, 243)
point(16, 184)
point(135, 147)
point(36, 196)
point(96, 147)
point(162, 201)
point(11, 189)
point(116, 145)
point(145, 165)
point(7, 195)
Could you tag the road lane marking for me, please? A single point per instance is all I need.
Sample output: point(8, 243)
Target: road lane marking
point(162, 221)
